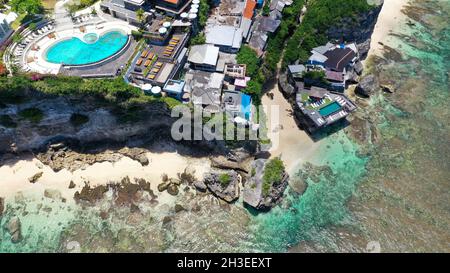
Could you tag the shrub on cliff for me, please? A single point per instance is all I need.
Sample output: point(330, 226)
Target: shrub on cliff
point(78, 119)
point(273, 174)
point(224, 179)
point(6, 121)
point(32, 114)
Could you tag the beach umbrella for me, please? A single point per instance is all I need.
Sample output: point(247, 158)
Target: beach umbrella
point(162, 30)
point(166, 24)
point(146, 87)
point(196, 2)
point(156, 90)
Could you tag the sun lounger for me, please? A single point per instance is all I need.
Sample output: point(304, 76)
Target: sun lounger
point(144, 54)
point(158, 64)
point(151, 76)
point(155, 70)
point(176, 38)
point(151, 55)
point(147, 63)
point(139, 62)
point(173, 43)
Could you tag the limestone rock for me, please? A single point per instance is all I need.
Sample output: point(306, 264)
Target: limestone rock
point(172, 189)
point(2, 205)
point(52, 194)
point(367, 86)
point(253, 188)
point(200, 186)
point(15, 229)
point(71, 185)
point(226, 189)
point(35, 177)
point(179, 208)
point(163, 186)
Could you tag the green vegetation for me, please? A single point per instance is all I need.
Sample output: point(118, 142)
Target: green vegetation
point(276, 42)
point(79, 5)
point(199, 39)
point(27, 6)
point(127, 101)
point(224, 179)
point(273, 174)
point(321, 15)
point(6, 121)
point(248, 56)
point(33, 114)
point(266, 8)
point(137, 35)
point(203, 12)
point(316, 75)
point(78, 119)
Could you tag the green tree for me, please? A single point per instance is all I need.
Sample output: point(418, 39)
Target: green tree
point(140, 15)
point(27, 6)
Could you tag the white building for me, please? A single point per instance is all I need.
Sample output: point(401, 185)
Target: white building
point(204, 57)
point(227, 38)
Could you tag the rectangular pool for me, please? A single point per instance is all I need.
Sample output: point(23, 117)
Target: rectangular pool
point(330, 109)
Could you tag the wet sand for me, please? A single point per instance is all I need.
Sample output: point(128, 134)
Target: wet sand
point(288, 141)
point(15, 177)
point(390, 17)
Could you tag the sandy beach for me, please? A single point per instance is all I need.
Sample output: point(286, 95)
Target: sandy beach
point(288, 141)
point(389, 18)
point(15, 177)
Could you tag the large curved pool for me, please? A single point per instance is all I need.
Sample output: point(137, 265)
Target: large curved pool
point(90, 49)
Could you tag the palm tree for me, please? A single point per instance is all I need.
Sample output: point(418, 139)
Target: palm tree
point(140, 15)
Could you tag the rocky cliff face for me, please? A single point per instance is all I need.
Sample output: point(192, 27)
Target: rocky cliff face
point(56, 124)
point(357, 29)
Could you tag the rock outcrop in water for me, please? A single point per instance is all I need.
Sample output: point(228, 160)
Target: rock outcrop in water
point(14, 228)
point(254, 195)
point(367, 86)
point(2, 205)
point(224, 185)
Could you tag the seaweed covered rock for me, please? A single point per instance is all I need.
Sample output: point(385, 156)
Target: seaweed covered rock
point(14, 228)
point(266, 184)
point(367, 86)
point(2, 205)
point(224, 185)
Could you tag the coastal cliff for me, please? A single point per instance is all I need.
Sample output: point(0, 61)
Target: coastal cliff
point(56, 124)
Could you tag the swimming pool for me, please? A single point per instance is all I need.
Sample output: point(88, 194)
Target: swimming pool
point(330, 109)
point(90, 50)
point(246, 106)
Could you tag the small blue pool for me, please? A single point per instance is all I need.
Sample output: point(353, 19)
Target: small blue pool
point(330, 109)
point(246, 106)
point(90, 50)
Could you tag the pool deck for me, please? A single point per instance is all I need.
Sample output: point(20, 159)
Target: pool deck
point(35, 55)
point(104, 69)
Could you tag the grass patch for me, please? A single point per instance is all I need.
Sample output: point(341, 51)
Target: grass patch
point(78, 119)
point(273, 174)
point(224, 179)
point(6, 121)
point(34, 115)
